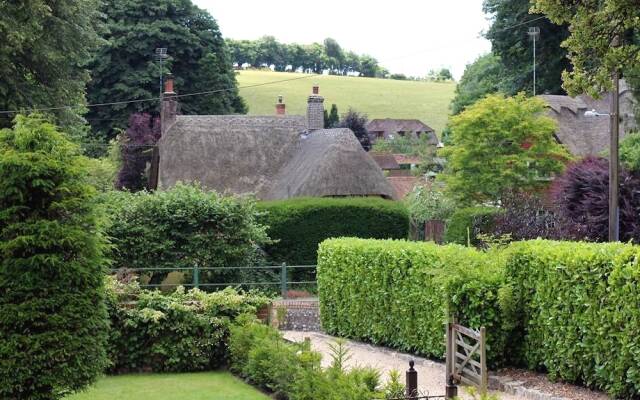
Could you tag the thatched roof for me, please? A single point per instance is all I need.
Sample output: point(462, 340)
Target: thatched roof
point(589, 135)
point(385, 160)
point(272, 157)
point(391, 126)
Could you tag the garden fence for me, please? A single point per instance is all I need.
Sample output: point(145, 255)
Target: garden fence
point(279, 275)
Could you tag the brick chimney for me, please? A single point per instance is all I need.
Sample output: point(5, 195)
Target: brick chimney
point(169, 106)
point(280, 106)
point(315, 110)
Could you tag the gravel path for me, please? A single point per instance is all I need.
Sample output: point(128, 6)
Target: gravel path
point(430, 374)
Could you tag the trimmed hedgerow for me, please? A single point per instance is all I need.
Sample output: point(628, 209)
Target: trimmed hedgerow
point(181, 331)
point(299, 225)
point(579, 308)
point(572, 309)
point(400, 294)
point(466, 223)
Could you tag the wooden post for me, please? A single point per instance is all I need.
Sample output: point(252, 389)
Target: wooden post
point(283, 280)
point(411, 382)
point(451, 390)
point(483, 361)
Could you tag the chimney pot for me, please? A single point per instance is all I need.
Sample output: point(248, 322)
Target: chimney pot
point(316, 89)
point(280, 106)
point(168, 84)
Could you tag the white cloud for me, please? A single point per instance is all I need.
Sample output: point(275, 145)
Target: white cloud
point(407, 36)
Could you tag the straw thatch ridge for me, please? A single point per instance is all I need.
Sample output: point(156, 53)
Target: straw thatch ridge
point(271, 157)
point(589, 135)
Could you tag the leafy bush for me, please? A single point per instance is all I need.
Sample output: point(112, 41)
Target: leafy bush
point(429, 202)
point(582, 198)
point(183, 227)
point(527, 216)
point(467, 223)
point(578, 311)
point(177, 332)
point(630, 151)
point(292, 371)
point(53, 320)
point(298, 225)
point(400, 294)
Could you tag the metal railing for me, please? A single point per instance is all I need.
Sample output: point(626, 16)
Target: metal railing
point(282, 272)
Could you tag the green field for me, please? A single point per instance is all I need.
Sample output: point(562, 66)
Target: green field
point(194, 386)
point(379, 98)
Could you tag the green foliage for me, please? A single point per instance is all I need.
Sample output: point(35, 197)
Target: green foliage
point(466, 224)
point(44, 47)
point(482, 77)
point(400, 294)
point(124, 67)
point(630, 151)
point(394, 388)
point(292, 371)
point(577, 305)
point(594, 25)
point(52, 316)
point(297, 226)
point(178, 332)
point(565, 307)
point(429, 202)
point(499, 144)
point(102, 171)
point(183, 227)
point(513, 46)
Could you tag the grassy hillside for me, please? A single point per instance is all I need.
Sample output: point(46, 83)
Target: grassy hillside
point(379, 98)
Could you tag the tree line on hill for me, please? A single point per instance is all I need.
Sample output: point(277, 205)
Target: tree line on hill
point(315, 57)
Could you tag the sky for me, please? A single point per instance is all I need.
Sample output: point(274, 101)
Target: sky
point(406, 36)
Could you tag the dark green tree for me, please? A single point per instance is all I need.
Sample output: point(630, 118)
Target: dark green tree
point(125, 68)
point(357, 122)
point(482, 77)
point(53, 321)
point(44, 45)
point(334, 117)
point(510, 42)
point(594, 25)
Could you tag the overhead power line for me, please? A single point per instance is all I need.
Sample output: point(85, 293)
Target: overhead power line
point(113, 103)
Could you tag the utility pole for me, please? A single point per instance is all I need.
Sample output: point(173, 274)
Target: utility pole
point(614, 209)
point(534, 34)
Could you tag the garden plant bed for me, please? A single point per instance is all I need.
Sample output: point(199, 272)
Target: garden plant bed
point(511, 383)
point(189, 386)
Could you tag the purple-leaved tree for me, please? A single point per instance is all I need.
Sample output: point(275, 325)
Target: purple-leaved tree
point(582, 199)
point(137, 146)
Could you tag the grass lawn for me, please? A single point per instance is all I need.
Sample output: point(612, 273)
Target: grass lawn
point(379, 98)
point(193, 386)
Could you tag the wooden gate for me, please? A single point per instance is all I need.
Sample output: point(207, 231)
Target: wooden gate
point(467, 356)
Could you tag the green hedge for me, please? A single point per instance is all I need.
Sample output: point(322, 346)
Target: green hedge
point(476, 219)
point(579, 308)
point(572, 309)
point(177, 332)
point(182, 227)
point(399, 293)
point(299, 225)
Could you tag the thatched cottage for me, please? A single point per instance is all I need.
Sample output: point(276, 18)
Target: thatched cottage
point(274, 157)
point(391, 128)
point(584, 135)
